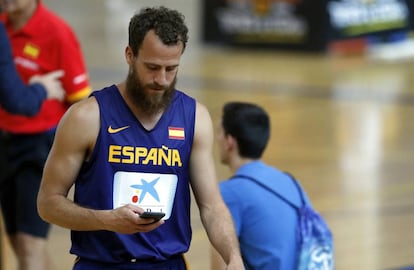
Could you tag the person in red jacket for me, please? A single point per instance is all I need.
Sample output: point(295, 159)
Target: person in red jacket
point(42, 42)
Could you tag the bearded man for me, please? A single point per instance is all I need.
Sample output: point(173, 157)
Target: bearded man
point(134, 147)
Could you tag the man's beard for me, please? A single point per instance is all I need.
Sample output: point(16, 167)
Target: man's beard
point(150, 104)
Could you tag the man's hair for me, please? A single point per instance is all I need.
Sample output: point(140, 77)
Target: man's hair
point(249, 124)
point(168, 25)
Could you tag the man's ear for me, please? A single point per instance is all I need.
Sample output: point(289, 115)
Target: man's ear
point(231, 142)
point(129, 55)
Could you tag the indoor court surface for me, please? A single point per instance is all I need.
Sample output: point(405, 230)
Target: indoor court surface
point(340, 124)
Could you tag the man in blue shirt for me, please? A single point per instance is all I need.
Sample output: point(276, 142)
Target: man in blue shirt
point(265, 225)
point(15, 96)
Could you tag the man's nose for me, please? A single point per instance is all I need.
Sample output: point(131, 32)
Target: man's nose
point(161, 78)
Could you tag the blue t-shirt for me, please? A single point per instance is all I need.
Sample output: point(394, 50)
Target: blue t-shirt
point(265, 225)
point(132, 165)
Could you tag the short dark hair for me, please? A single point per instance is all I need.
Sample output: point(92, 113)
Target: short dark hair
point(168, 25)
point(249, 124)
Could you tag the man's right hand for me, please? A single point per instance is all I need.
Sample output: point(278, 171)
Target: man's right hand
point(51, 83)
point(126, 219)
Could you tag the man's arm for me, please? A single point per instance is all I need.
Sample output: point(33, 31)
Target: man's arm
point(216, 261)
point(15, 96)
point(74, 141)
point(214, 214)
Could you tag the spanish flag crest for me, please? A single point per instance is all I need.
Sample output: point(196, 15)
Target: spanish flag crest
point(176, 133)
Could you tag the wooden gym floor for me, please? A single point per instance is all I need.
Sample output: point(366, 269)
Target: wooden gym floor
point(341, 125)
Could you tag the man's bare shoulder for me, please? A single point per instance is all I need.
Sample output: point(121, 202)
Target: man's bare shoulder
point(203, 123)
point(82, 116)
point(86, 109)
point(201, 110)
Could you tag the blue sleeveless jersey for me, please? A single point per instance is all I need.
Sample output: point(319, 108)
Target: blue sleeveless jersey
point(149, 168)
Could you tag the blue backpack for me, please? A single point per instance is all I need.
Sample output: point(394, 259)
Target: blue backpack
point(316, 249)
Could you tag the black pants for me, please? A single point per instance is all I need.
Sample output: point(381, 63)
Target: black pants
point(21, 167)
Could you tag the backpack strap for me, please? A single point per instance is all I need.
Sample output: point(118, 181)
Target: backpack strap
point(273, 191)
point(302, 197)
